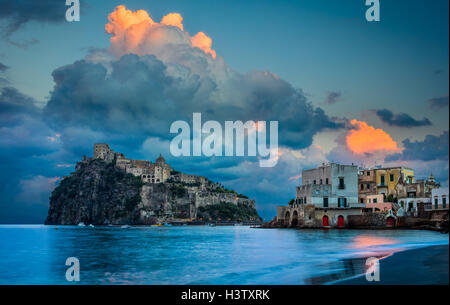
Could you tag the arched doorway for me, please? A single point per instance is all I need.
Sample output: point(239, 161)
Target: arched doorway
point(340, 221)
point(390, 222)
point(294, 221)
point(287, 218)
point(325, 221)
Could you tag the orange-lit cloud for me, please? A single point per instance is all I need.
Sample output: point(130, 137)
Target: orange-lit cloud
point(203, 42)
point(137, 33)
point(173, 19)
point(365, 138)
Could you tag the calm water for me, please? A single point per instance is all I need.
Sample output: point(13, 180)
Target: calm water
point(191, 255)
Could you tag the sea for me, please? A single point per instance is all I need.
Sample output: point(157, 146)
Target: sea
point(37, 254)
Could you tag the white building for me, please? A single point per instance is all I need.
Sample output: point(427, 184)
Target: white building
point(440, 198)
point(329, 186)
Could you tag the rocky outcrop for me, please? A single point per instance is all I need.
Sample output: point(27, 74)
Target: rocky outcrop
point(99, 193)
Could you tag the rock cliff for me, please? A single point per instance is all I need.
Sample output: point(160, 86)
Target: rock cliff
point(100, 193)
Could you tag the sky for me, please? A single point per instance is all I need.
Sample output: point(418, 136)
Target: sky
point(343, 89)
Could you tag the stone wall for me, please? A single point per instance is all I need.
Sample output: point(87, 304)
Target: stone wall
point(367, 220)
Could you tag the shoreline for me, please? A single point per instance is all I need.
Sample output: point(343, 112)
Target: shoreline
point(443, 230)
point(427, 265)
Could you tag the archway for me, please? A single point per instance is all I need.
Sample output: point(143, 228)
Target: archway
point(390, 222)
point(287, 218)
point(325, 221)
point(294, 221)
point(340, 221)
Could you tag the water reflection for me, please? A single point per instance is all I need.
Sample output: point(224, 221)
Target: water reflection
point(195, 255)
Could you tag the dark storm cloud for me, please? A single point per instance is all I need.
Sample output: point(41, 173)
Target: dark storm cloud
point(3, 67)
point(138, 95)
point(438, 102)
point(431, 148)
point(400, 119)
point(14, 14)
point(333, 97)
point(15, 107)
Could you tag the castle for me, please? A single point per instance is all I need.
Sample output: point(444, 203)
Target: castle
point(149, 172)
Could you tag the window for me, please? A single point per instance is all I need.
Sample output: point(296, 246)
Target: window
point(382, 180)
point(326, 181)
point(325, 202)
point(368, 186)
point(341, 183)
point(436, 203)
point(391, 177)
point(304, 200)
point(375, 200)
point(314, 181)
point(362, 187)
point(368, 173)
point(444, 202)
point(320, 181)
point(361, 200)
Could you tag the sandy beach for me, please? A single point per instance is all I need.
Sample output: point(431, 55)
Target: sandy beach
point(424, 266)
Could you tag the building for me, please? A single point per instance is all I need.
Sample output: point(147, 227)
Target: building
point(387, 179)
point(410, 196)
point(397, 185)
point(367, 184)
point(440, 199)
point(103, 152)
point(149, 172)
point(389, 182)
point(328, 194)
point(377, 204)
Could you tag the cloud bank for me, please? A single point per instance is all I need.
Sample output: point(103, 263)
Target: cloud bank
point(400, 119)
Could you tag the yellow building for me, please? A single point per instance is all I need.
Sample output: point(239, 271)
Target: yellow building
point(387, 179)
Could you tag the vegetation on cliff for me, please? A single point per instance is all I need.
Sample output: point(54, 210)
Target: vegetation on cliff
point(228, 211)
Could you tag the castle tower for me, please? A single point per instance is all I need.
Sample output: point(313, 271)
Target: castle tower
point(160, 160)
point(103, 152)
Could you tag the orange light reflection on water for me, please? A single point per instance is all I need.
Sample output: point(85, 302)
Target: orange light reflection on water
point(372, 245)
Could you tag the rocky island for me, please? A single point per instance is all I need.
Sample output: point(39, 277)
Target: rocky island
point(109, 189)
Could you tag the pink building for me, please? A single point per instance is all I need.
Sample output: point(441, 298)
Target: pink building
point(377, 204)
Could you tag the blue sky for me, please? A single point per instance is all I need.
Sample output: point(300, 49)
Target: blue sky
point(342, 64)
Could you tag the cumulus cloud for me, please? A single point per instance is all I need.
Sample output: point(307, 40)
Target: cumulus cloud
point(438, 103)
point(137, 33)
point(363, 138)
point(333, 97)
point(167, 78)
point(400, 119)
point(431, 148)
